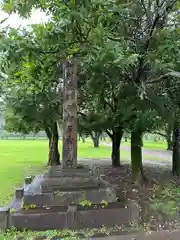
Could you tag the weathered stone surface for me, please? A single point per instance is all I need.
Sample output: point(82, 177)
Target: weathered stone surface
point(58, 171)
point(54, 191)
point(43, 199)
point(95, 196)
point(134, 211)
point(69, 153)
point(108, 217)
point(72, 216)
point(43, 221)
point(67, 198)
point(19, 193)
point(4, 219)
point(69, 183)
point(72, 219)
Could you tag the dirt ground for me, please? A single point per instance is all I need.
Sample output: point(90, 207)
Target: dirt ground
point(158, 198)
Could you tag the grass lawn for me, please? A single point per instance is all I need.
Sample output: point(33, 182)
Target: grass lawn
point(21, 158)
point(161, 145)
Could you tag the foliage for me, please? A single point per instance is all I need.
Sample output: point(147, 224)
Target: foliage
point(15, 124)
point(124, 63)
point(85, 203)
point(32, 112)
point(166, 199)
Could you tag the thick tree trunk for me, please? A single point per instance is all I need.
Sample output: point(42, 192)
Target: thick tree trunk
point(176, 150)
point(136, 155)
point(95, 138)
point(54, 156)
point(116, 141)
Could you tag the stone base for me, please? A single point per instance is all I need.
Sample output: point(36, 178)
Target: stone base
point(35, 209)
point(61, 187)
point(58, 179)
point(72, 218)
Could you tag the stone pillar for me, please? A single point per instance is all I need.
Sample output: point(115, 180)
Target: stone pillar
point(69, 151)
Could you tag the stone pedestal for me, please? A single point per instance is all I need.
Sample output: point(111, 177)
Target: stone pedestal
point(62, 187)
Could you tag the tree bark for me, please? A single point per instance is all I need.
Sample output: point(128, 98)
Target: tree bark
point(116, 138)
point(136, 156)
point(95, 138)
point(48, 134)
point(169, 138)
point(169, 144)
point(54, 156)
point(83, 139)
point(176, 150)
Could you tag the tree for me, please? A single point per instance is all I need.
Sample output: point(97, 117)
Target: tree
point(89, 125)
point(102, 92)
point(167, 58)
point(145, 120)
point(33, 113)
point(166, 131)
point(36, 80)
point(15, 124)
point(143, 23)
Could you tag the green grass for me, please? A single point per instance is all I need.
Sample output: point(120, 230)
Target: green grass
point(160, 145)
point(156, 145)
point(21, 158)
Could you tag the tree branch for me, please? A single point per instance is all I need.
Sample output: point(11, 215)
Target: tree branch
point(82, 114)
point(109, 134)
point(107, 103)
point(161, 134)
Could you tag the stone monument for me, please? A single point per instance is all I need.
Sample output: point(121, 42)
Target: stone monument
point(54, 200)
point(68, 181)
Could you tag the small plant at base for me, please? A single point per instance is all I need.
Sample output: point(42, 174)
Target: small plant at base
point(12, 210)
point(104, 203)
point(85, 203)
point(31, 206)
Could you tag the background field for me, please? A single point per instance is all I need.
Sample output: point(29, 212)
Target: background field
point(21, 158)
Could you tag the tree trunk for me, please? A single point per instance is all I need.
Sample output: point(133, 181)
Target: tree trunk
point(169, 144)
point(95, 138)
point(169, 138)
point(49, 134)
point(83, 139)
point(136, 155)
point(54, 156)
point(176, 150)
point(116, 141)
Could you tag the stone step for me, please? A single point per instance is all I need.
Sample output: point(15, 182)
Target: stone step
point(61, 198)
point(70, 183)
point(42, 219)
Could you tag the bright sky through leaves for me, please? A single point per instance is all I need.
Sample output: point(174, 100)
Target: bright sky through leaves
point(15, 21)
